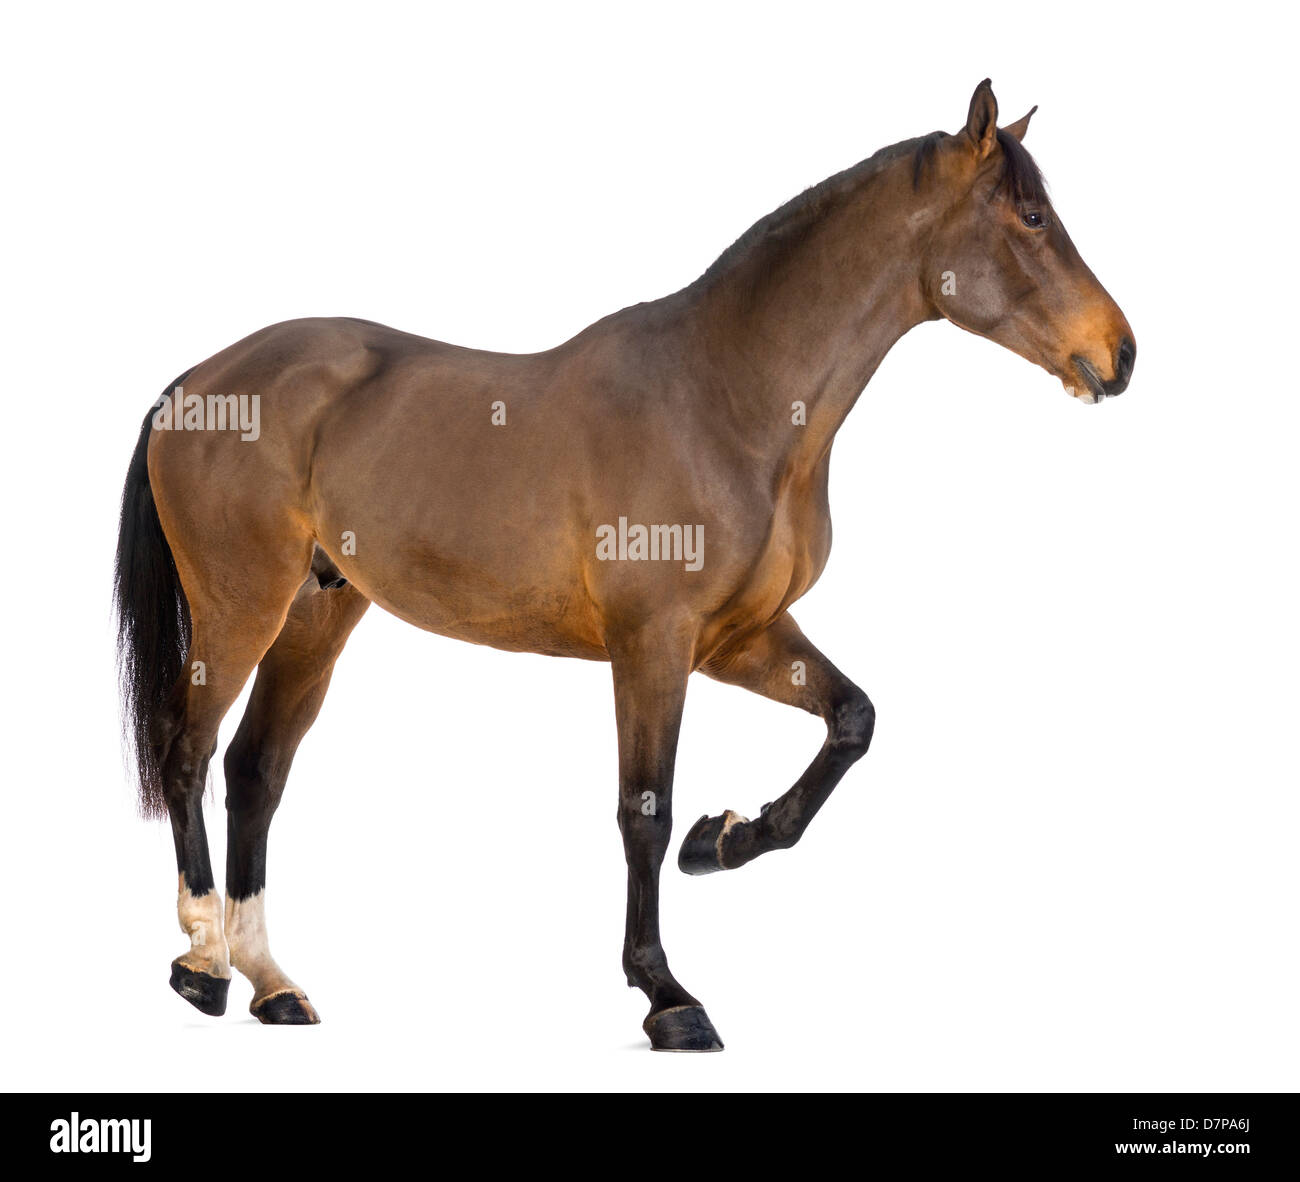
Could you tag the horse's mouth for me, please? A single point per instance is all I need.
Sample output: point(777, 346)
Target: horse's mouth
point(1094, 389)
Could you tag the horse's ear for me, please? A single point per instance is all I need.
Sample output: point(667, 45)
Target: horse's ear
point(982, 121)
point(1017, 129)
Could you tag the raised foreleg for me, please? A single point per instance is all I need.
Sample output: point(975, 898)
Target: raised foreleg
point(780, 663)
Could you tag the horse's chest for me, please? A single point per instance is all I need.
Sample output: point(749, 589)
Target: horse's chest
point(788, 563)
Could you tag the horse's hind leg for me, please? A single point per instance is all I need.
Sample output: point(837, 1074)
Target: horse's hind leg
point(230, 634)
point(781, 664)
point(287, 695)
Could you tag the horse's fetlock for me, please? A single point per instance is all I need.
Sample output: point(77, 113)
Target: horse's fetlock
point(783, 841)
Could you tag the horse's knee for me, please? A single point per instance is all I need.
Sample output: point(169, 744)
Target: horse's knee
point(852, 723)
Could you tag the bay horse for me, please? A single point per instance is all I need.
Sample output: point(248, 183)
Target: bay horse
point(651, 493)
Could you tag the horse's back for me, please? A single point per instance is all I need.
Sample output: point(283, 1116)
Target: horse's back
point(297, 378)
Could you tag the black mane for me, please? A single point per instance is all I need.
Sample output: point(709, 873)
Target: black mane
point(794, 217)
point(1020, 176)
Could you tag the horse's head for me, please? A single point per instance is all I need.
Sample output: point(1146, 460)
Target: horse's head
point(1000, 264)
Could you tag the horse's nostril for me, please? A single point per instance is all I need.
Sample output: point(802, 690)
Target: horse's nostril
point(1124, 361)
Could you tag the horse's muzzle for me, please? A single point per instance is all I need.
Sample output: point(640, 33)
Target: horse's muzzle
point(1095, 388)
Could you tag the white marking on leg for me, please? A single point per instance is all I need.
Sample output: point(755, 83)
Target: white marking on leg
point(729, 821)
point(200, 919)
point(250, 951)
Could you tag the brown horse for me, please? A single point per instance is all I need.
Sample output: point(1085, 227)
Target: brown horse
point(652, 493)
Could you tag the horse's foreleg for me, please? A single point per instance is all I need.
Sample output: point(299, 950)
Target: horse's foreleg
point(292, 680)
point(650, 673)
point(781, 664)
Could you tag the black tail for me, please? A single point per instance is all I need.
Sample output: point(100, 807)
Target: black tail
point(153, 620)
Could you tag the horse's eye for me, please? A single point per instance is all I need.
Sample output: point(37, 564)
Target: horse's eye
point(1033, 219)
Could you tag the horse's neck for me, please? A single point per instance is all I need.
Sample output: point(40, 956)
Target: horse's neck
point(796, 329)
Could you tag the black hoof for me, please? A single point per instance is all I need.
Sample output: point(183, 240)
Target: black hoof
point(682, 1028)
point(203, 991)
point(285, 1009)
point(700, 849)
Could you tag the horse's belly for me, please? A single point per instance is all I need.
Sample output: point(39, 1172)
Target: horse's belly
point(467, 596)
point(521, 624)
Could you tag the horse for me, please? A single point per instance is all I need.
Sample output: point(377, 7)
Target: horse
point(651, 493)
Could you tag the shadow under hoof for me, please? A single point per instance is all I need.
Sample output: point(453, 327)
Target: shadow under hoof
point(285, 1009)
point(682, 1028)
point(204, 992)
point(701, 851)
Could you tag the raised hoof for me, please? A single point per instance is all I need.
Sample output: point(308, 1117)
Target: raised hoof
point(682, 1028)
point(701, 851)
point(289, 1008)
point(203, 991)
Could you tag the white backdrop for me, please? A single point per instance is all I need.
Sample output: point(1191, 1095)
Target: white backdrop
point(1068, 861)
